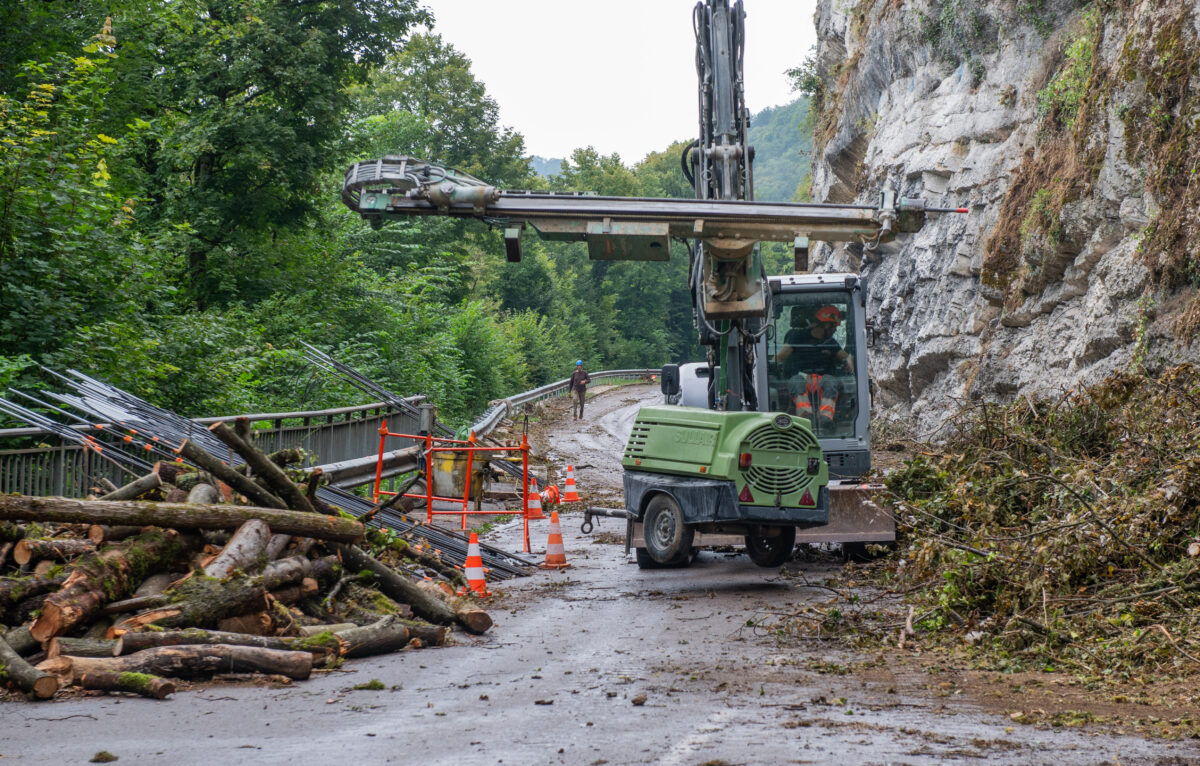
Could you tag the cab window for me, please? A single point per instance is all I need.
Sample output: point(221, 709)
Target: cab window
point(810, 361)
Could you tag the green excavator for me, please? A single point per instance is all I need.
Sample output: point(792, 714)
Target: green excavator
point(738, 454)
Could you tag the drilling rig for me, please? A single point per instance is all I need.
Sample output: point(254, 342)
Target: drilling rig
point(742, 461)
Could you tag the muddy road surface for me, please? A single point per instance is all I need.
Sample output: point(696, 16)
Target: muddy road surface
point(600, 663)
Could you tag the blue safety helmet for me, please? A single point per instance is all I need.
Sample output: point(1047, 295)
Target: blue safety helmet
point(578, 362)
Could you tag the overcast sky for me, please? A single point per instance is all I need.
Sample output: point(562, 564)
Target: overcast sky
point(618, 75)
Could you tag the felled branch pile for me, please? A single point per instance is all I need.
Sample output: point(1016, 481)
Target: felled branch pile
point(1060, 532)
point(161, 579)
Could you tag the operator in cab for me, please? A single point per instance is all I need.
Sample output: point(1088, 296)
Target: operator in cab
point(811, 356)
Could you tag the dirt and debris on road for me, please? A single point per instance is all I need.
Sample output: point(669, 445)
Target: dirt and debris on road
point(605, 663)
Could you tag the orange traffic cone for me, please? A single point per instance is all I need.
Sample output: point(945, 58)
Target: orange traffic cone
point(570, 495)
point(476, 580)
point(535, 501)
point(556, 555)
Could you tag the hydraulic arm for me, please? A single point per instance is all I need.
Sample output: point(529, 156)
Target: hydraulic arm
point(723, 224)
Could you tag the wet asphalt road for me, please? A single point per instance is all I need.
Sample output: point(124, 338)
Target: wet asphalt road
point(556, 680)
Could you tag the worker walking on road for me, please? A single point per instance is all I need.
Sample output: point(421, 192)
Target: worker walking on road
point(578, 389)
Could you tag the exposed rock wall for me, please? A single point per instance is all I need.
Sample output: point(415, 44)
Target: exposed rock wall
point(1042, 286)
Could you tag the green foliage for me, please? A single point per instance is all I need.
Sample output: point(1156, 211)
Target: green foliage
point(432, 81)
point(1041, 219)
point(806, 78)
point(66, 245)
point(783, 151)
point(171, 220)
point(1064, 529)
point(957, 32)
point(1059, 102)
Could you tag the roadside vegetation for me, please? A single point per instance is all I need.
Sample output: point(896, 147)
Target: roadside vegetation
point(1057, 535)
point(170, 218)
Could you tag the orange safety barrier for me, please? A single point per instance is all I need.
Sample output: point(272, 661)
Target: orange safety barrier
point(438, 444)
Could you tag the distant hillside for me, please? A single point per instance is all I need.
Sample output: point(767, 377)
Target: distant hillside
point(782, 151)
point(546, 167)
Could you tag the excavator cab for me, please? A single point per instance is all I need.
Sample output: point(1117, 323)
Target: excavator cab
point(812, 363)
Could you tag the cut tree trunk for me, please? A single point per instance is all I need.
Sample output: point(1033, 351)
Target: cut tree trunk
point(135, 488)
point(14, 590)
point(316, 630)
point(21, 642)
point(432, 561)
point(99, 577)
point(103, 533)
point(203, 602)
point(188, 481)
point(178, 515)
point(80, 647)
point(33, 549)
point(243, 551)
point(170, 472)
point(469, 615)
point(204, 494)
point(237, 481)
point(137, 683)
point(396, 586)
point(194, 661)
point(10, 533)
point(135, 604)
point(155, 584)
point(274, 476)
point(26, 677)
point(276, 546)
point(293, 594)
point(256, 624)
point(386, 636)
point(428, 635)
point(136, 642)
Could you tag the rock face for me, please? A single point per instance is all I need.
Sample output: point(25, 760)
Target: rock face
point(1020, 111)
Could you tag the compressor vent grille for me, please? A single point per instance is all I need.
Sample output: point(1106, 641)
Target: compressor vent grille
point(636, 446)
point(783, 480)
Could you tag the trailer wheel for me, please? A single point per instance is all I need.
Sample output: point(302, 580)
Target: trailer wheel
point(859, 553)
point(645, 562)
point(668, 539)
point(771, 551)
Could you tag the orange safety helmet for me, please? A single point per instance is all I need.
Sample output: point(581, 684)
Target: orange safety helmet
point(829, 314)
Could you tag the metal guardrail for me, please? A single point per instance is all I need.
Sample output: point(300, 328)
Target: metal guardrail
point(502, 408)
point(329, 436)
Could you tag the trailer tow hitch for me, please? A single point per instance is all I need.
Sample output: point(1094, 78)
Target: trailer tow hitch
point(614, 513)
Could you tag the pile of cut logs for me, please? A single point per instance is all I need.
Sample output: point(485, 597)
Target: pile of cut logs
point(206, 568)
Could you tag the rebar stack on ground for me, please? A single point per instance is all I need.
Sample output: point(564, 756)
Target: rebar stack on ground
point(500, 564)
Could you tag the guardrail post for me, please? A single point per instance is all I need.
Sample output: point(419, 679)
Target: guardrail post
point(525, 488)
point(379, 465)
point(428, 478)
point(467, 482)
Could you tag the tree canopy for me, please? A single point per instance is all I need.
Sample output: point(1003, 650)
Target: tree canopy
point(170, 218)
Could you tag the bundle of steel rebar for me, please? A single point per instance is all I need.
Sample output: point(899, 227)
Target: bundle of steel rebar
point(348, 374)
point(453, 546)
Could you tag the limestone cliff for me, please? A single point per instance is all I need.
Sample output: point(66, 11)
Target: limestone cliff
point(1069, 129)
